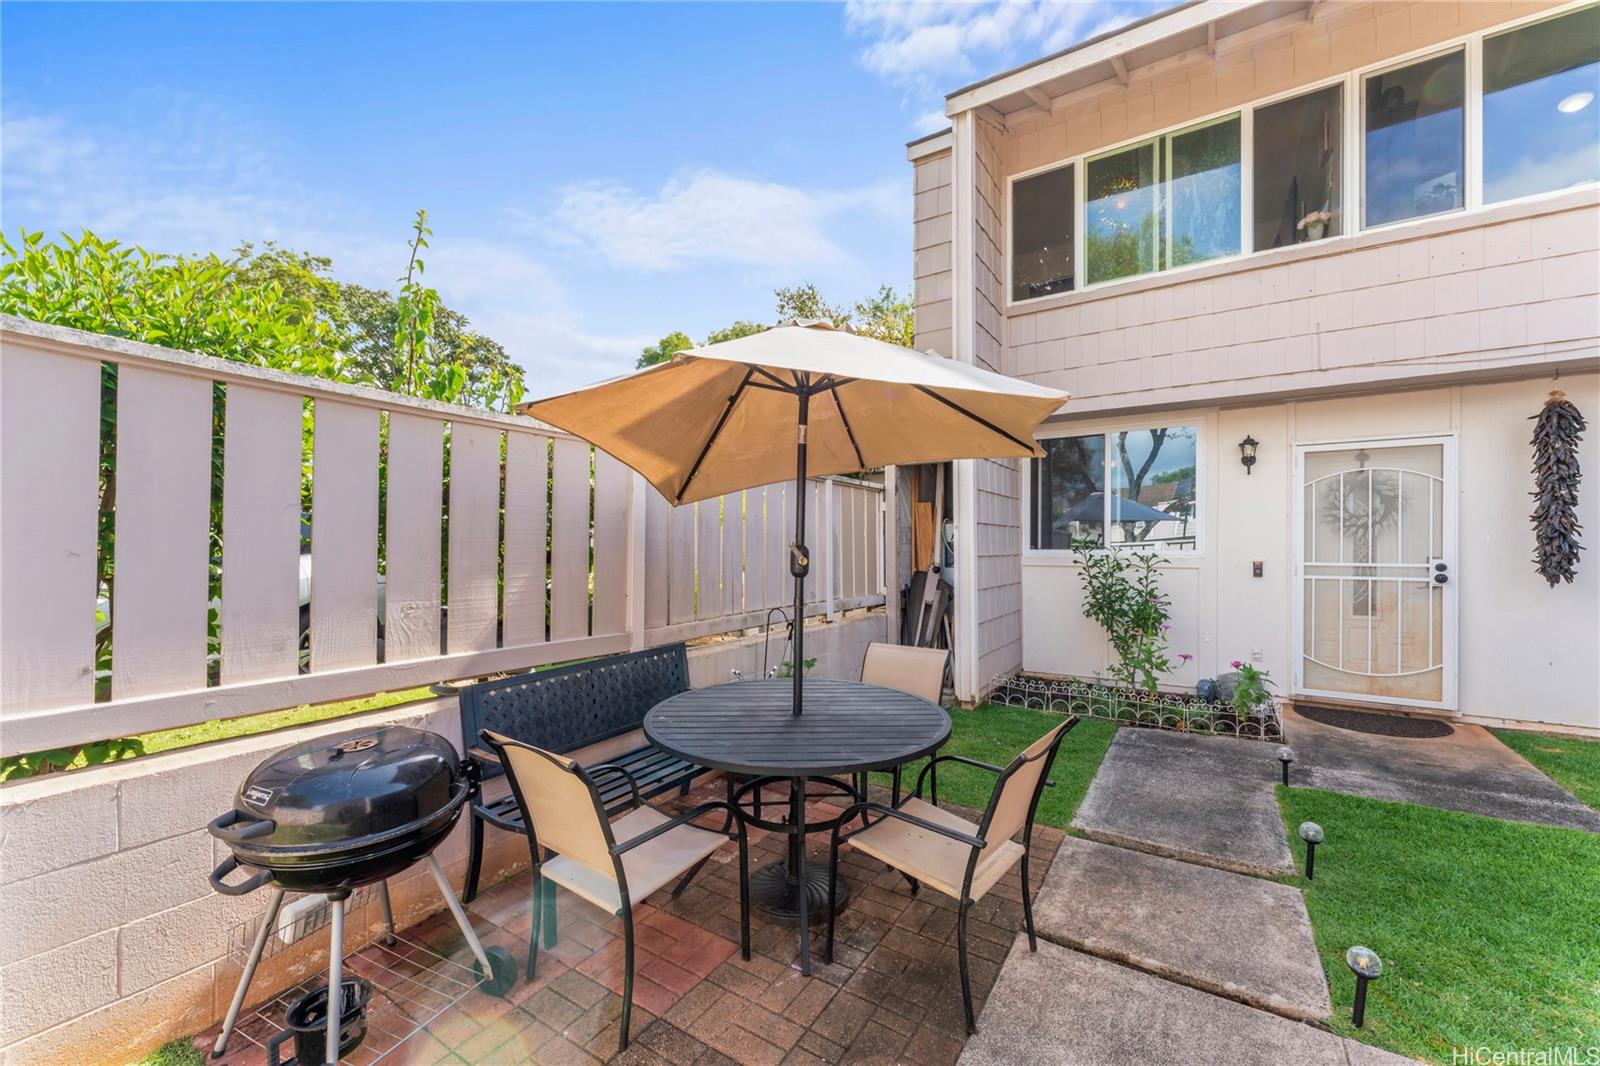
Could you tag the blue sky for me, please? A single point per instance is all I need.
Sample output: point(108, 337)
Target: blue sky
point(596, 174)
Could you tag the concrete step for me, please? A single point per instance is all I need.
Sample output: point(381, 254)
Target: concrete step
point(1205, 800)
point(1060, 1007)
point(1225, 933)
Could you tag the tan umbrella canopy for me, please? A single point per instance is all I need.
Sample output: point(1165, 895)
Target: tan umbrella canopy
point(798, 401)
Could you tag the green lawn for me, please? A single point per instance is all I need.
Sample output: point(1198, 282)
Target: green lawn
point(1486, 928)
point(180, 1052)
point(1571, 762)
point(995, 734)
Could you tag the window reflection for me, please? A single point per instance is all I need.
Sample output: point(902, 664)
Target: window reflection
point(1297, 160)
point(1041, 245)
point(1069, 492)
point(1122, 230)
point(1415, 140)
point(1203, 172)
point(1541, 106)
point(1153, 477)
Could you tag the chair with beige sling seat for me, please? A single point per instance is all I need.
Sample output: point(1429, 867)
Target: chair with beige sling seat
point(919, 671)
point(951, 855)
point(610, 864)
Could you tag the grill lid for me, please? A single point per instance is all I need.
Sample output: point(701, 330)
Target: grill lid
point(348, 786)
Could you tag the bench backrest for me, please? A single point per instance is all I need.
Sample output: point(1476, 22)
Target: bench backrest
point(569, 707)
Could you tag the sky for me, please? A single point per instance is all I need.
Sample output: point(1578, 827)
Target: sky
point(596, 175)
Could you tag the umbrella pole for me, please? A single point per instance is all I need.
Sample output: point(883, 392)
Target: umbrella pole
point(799, 557)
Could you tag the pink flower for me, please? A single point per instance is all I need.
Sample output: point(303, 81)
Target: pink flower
point(1185, 656)
point(1237, 664)
point(1165, 626)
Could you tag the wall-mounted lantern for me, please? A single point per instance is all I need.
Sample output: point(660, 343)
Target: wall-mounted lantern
point(1247, 452)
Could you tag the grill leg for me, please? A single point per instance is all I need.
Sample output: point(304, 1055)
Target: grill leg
point(269, 922)
point(335, 981)
point(459, 914)
point(388, 912)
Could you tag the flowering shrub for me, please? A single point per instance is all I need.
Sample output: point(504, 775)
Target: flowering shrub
point(1251, 691)
point(1122, 592)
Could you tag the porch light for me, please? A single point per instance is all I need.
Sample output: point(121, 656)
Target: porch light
point(1285, 757)
point(1311, 833)
point(1247, 452)
point(1366, 965)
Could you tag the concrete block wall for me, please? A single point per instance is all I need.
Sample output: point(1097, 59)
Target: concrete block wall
point(111, 939)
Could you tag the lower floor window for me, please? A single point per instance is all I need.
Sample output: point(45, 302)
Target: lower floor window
point(1151, 500)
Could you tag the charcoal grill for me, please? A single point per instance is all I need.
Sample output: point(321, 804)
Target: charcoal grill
point(330, 815)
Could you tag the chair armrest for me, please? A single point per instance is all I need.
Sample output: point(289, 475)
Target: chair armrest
point(937, 759)
point(613, 768)
point(920, 823)
point(683, 819)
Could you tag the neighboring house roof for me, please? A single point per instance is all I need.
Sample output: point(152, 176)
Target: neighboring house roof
point(1109, 56)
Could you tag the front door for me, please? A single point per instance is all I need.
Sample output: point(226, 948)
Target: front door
point(1375, 580)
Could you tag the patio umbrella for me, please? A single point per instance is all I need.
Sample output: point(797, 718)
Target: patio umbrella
point(799, 400)
point(1092, 508)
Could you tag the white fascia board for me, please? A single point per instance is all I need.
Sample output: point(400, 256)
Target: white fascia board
point(933, 144)
point(1102, 52)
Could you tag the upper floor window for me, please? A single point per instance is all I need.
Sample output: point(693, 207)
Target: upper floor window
point(1296, 169)
point(1042, 213)
point(1415, 146)
point(1165, 202)
point(1152, 500)
point(1541, 119)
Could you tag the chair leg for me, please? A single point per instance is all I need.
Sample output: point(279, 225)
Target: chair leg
point(894, 789)
point(688, 875)
point(744, 895)
point(627, 974)
point(533, 932)
point(933, 783)
point(1027, 904)
point(833, 888)
point(550, 935)
point(966, 978)
point(912, 881)
point(474, 859)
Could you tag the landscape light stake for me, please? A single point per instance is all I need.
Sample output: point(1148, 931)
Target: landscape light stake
point(1366, 965)
point(1285, 757)
point(1311, 833)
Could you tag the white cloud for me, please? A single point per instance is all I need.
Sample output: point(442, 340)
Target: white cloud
point(707, 216)
point(930, 48)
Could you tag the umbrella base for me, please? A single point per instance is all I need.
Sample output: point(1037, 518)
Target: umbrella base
point(775, 893)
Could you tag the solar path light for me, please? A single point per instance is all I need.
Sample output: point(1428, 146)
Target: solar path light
point(1285, 757)
point(1311, 833)
point(1366, 965)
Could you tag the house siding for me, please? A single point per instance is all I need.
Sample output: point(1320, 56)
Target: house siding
point(932, 281)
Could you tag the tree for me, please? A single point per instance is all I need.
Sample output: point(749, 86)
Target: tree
point(887, 316)
point(805, 302)
point(739, 328)
point(664, 349)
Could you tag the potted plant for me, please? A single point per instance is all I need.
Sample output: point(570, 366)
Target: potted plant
point(1315, 223)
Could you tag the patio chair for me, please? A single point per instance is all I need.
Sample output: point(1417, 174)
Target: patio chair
point(948, 853)
point(610, 864)
point(919, 671)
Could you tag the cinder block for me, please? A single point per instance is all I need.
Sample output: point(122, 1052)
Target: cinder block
point(126, 1029)
point(56, 985)
point(175, 941)
point(31, 818)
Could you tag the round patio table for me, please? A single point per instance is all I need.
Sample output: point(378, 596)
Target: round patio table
point(748, 727)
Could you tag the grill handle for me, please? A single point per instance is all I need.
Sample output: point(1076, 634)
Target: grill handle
point(222, 825)
point(227, 867)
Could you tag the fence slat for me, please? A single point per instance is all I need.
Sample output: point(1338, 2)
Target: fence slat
point(527, 511)
point(611, 490)
point(50, 408)
point(708, 558)
point(657, 541)
point(780, 520)
point(261, 535)
point(412, 519)
point(474, 538)
point(344, 537)
point(680, 590)
point(733, 520)
point(163, 538)
point(569, 541)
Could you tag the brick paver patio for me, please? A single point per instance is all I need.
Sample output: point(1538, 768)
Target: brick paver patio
point(892, 993)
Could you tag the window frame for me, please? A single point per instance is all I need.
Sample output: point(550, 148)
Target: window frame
point(1197, 421)
point(1352, 169)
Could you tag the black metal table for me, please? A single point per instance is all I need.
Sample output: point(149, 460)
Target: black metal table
point(748, 727)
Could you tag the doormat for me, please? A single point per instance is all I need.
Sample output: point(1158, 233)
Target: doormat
point(1383, 725)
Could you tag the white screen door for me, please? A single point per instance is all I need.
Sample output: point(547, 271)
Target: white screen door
point(1375, 579)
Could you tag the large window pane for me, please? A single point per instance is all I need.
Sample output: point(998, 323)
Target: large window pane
point(1541, 116)
point(1204, 187)
point(1041, 234)
point(1415, 138)
point(1297, 160)
point(1069, 492)
point(1153, 479)
point(1122, 228)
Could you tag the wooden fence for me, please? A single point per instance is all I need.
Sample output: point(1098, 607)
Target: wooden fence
point(529, 547)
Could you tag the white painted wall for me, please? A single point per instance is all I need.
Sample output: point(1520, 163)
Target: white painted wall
point(1527, 653)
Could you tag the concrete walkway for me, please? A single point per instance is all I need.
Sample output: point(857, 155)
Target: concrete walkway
point(1206, 800)
point(1469, 770)
point(1062, 1006)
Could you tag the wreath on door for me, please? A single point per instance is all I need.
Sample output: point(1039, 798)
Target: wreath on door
point(1557, 430)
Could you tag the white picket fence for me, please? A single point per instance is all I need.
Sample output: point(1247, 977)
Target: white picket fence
point(555, 550)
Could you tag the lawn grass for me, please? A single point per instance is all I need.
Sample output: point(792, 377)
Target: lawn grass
point(995, 734)
point(180, 1052)
point(1486, 928)
point(1571, 762)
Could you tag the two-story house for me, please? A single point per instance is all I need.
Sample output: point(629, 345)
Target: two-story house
point(1357, 243)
